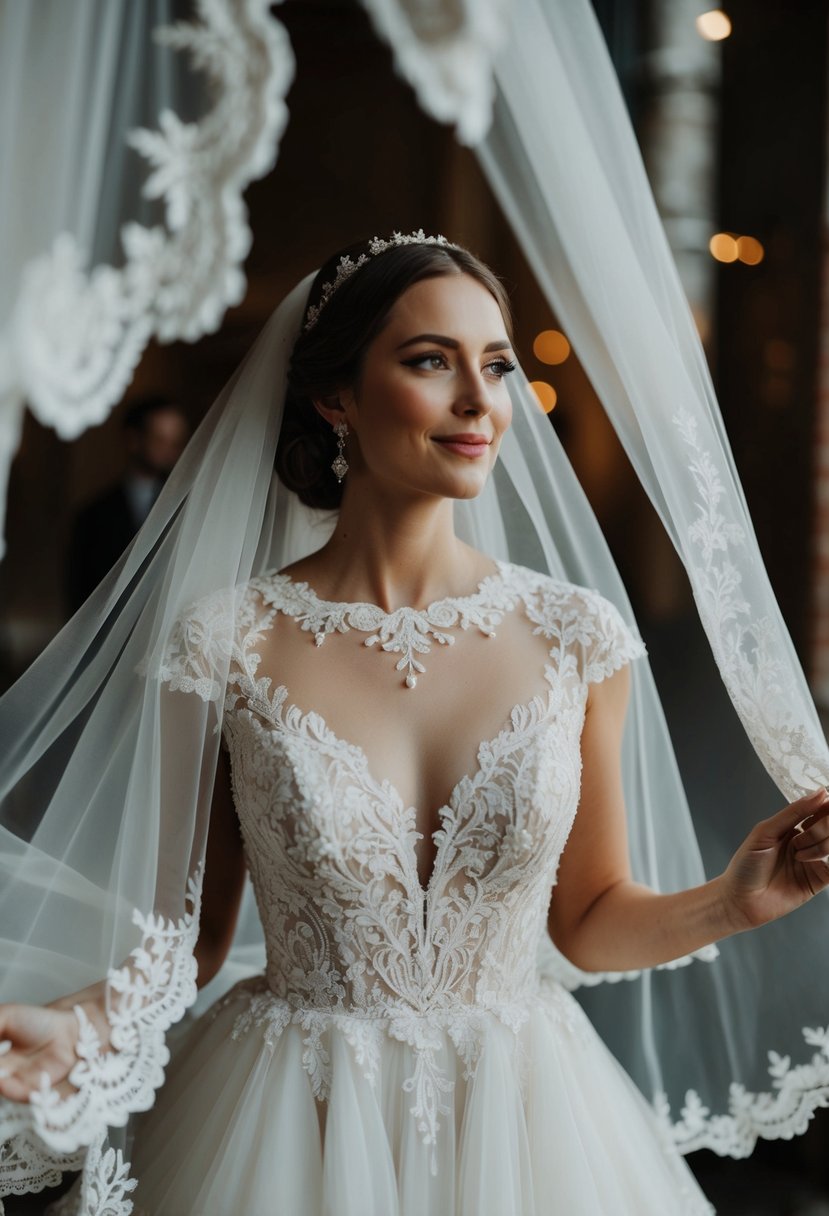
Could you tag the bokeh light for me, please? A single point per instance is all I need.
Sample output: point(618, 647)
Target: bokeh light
point(550, 346)
point(749, 250)
point(546, 394)
point(713, 25)
point(723, 247)
point(728, 247)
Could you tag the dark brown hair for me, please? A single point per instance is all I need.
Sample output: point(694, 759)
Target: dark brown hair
point(328, 357)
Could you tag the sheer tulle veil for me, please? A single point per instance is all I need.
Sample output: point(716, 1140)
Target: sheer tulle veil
point(107, 772)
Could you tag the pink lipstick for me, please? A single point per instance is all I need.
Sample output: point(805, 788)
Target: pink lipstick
point(470, 445)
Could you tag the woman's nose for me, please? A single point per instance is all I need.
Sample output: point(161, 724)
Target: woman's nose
point(473, 397)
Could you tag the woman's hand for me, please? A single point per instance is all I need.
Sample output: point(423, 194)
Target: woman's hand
point(35, 1039)
point(780, 865)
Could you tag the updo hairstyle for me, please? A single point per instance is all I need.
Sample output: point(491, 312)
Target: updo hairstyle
point(329, 356)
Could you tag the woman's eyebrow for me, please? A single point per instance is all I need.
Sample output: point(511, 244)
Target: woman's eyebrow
point(451, 343)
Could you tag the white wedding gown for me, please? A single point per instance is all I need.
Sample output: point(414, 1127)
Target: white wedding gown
point(401, 1055)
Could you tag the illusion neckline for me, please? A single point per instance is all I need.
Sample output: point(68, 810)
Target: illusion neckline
point(494, 580)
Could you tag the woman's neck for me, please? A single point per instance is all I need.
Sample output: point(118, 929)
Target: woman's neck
point(394, 554)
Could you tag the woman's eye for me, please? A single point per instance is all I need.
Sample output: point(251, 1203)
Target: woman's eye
point(502, 367)
point(433, 361)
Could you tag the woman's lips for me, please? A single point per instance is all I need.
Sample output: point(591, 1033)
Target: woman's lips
point(465, 447)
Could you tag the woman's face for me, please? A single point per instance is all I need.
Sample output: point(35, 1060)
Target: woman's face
point(432, 404)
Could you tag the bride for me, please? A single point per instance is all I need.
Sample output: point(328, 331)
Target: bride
point(415, 751)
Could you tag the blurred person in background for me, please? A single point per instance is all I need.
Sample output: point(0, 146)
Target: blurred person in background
point(155, 433)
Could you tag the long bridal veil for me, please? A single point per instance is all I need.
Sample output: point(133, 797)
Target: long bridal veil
point(107, 772)
point(740, 1049)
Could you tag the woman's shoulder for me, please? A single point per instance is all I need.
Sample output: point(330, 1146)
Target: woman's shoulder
point(238, 605)
point(205, 635)
point(579, 619)
point(556, 593)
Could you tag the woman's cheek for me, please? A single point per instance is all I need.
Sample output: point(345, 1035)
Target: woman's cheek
point(418, 414)
point(501, 418)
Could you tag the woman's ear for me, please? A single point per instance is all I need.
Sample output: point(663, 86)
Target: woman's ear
point(332, 408)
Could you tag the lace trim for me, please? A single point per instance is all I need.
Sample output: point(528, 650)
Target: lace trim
point(102, 1189)
point(446, 53)
point(220, 630)
point(27, 1166)
point(154, 989)
point(364, 1032)
point(801, 1090)
point(76, 335)
point(407, 631)
point(177, 282)
point(199, 648)
point(753, 663)
point(572, 977)
point(587, 621)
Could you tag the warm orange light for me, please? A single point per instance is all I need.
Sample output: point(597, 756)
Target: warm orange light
point(723, 247)
point(546, 394)
point(550, 346)
point(713, 25)
point(749, 250)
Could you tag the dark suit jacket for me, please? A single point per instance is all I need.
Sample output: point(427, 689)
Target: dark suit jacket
point(100, 534)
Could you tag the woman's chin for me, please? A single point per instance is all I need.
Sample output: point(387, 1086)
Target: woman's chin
point(462, 484)
point(471, 486)
point(471, 491)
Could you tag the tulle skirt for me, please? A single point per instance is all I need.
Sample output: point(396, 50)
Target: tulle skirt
point(546, 1124)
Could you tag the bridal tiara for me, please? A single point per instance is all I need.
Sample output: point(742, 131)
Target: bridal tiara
point(347, 265)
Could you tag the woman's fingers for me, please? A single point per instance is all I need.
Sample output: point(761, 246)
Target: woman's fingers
point(16, 1088)
point(812, 840)
point(811, 810)
point(14, 1075)
point(8, 1062)
point(10, 1059)
point(21, 1074)
point(26, 1027)
point(816, 851)
point(35, 1043)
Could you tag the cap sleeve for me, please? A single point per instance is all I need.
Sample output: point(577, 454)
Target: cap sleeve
point(199, 648)
point(608, 641)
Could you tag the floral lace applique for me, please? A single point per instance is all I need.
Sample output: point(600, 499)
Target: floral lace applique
point(407, 631)
point(800, 1089)
point(51, 1133)
point(179, 276)
point(103, 1189)
point(774, 710)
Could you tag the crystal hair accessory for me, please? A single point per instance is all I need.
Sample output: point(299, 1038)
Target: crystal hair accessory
point(339, 465)
point(347, 265)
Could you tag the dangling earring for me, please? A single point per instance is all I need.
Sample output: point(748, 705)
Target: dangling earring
point(340, 464)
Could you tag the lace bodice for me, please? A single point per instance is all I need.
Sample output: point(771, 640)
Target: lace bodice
point(350, 926)
point(353, 933)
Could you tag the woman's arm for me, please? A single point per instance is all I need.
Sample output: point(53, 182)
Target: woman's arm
point(224, 878)
point(602, 920)
point(43, 1039)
